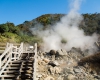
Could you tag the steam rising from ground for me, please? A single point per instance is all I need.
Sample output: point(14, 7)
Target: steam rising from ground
point(67, 30)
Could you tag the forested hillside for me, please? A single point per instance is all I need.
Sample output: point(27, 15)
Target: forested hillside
point(11, 33)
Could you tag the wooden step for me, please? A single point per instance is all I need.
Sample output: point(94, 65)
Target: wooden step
point(8, 71)
point(12, 68)
point(2, 48)
point(15, 64)
point(7, 76)
point(3, 44)
point(8, 79)
point(27, 71)
point(1, 51)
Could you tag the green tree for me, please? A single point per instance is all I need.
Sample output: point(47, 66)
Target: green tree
point(3, 28)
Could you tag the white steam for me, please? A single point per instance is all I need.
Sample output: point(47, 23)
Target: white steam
point(68, 30)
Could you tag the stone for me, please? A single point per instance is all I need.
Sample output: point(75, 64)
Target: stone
point(60, 52)
point(46, 60)
point(97, 77)
point(67, 71)
point(70, 77)
point(65, 78)
point(57, 70)
point(53, 63)
point(64, 52)
point(52, 52)
point(49, 78)
point(77, 70)
point(53, 57)
point(60, 78)
point(39, 75)
point(56, 63)
point(52, 70)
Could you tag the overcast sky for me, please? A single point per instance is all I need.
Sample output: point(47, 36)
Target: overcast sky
point(18, 11)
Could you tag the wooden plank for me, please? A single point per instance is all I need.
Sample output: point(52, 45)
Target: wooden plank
point(7, 75)
point(14, 64)
point(3, 44)
point(1, 51)
point(8, 71)
point(7, 79)
point(13, 68)
point(2, 48)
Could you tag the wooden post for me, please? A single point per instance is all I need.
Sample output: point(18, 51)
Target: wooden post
point(22, 47)
point(0, 63)
point(35, 63)
point(11, 52)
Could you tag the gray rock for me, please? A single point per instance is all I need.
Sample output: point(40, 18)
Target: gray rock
point(64, 52)
point(77, 52)
point(70, 77)
point(59, 52)
point(52, 71)
point(52, 52)
point(39, 75)
point(49, 78)
point(65, 78)
point(53, 63)
point(67, 71)
point(77, 70)
point(97, 77)
point(57, 70)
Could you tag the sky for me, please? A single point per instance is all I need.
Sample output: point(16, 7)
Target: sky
point(18, 11)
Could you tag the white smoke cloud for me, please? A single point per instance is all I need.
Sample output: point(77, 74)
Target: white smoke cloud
point(68, 30)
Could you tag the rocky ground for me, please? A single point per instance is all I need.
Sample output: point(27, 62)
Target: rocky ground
point(63, 65)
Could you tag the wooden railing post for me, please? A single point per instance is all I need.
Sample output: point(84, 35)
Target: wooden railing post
point(35, 63)
point(11, 51)
point(0, 63)
point(20, 50)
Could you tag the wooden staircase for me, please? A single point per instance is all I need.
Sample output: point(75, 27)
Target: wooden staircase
point(20, 67)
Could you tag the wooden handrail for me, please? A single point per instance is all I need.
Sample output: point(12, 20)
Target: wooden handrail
point(6, 56)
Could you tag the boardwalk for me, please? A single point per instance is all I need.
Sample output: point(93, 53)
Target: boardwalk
point(17, 62)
